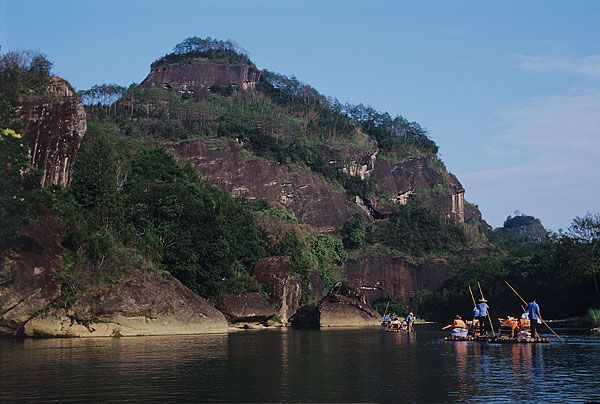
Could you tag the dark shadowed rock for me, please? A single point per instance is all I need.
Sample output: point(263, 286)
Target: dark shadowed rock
point(283, 286)
point(315, 202)
point(27, 273)
point(53, 124)
point(316, 287)
point(396, 276)
point(144, 303)
point(344, 306)
point(246, 307)
point(197, 79)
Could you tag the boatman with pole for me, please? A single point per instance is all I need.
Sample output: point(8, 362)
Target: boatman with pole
point(535, 317)
point(483, 308)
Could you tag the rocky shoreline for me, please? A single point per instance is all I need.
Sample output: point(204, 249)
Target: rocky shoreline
point(150, 303)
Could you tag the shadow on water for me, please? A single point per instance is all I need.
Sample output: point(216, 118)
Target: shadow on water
point(337, 365)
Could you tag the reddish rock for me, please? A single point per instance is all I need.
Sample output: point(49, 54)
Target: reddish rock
point(396, 276)
point(53, 125)
point(246, 307)
point(315, 202)
point(27, 273)
point(344, 306)
point(402, 179)
point(197, 79)
point(283, 286)
point(145, 303)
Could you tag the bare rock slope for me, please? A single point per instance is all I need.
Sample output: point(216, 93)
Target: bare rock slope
point(53, 124)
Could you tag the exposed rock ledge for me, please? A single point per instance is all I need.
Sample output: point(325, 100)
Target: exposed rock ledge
point(143, 304)
point(342, 307)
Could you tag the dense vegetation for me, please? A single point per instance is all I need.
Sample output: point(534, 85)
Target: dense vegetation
point(21, 74)
point(197, 50)
point(132, 206)
point(561, 272)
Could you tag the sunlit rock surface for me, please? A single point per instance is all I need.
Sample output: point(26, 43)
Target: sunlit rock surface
point(145, 303)
point(53, 124)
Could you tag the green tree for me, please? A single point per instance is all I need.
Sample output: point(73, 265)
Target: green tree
point(14, 195)
point(201, 235)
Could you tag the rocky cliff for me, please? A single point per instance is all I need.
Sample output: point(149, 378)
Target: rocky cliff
point(405, 178)
point(197, 79)
point(53, 124)
point(144, 303)
point(383, 273)
point(223, 162)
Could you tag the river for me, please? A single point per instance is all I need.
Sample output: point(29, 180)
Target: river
point(365, 365)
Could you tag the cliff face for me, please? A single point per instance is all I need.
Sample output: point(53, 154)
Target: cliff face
point(402, 179)
point(53, 124)
point(396, 276)
point(197, 79)
point(315, 202)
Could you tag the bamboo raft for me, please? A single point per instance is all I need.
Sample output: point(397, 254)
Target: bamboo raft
point(528, 340)
point(397, 330)
point(499, 340)
point(457, 339)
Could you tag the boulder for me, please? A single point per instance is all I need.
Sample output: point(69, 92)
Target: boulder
point(53, 124)
point(145, 303)
point(283, 286)
point(246, 307)
point(344, 306)
point(396, 276)
point(27, 269)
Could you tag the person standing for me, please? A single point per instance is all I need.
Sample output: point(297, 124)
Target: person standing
point(483, 308)
point(410, 319)
point(535, 317)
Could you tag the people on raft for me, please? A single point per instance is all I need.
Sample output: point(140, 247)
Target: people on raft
point(410, 319)
point(535, 317)
point(459, 327)
point(509, 327)
point(385, 320)
point(482, 308)
point(475, 323)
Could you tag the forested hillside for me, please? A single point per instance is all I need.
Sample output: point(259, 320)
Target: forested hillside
point(202, 177)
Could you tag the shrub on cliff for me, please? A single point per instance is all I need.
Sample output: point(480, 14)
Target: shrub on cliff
point(309, 251)
point(196, 50)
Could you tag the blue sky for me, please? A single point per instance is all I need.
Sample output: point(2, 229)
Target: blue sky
point(509, 90)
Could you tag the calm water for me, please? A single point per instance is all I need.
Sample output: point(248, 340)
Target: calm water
point(287, 365)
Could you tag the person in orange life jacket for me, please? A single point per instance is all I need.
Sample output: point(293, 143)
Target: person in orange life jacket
point(459, 327)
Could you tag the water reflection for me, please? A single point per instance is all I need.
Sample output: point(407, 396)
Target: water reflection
point(287, 365)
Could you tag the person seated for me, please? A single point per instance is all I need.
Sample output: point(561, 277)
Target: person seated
point(459, 328)
point(395, 324)
point(509, 326)
point(524, 323)
point(474, 327)
point(386, 319)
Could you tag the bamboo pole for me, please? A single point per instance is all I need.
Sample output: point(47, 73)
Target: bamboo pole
point(488, 312)
point(543, 321)
point(472, 297)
